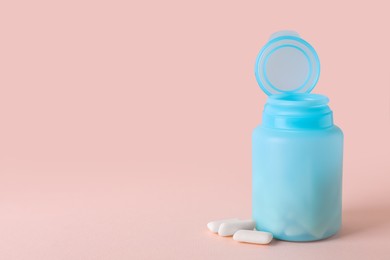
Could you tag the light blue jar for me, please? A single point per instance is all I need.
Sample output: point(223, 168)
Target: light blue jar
point(297, 150)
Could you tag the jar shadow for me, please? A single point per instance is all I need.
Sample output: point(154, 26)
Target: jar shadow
point(361, 220)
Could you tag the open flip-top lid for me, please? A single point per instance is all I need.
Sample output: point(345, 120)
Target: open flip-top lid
point(287, 64)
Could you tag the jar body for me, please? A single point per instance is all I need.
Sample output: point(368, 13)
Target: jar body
point(297, 182)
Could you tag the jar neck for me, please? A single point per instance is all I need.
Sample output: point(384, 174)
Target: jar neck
point(297, 111)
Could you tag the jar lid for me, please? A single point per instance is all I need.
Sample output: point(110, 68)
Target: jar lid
point(287, 64)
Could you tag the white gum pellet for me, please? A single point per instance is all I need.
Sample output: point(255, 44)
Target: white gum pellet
point(213, 226)
point(293, 230)
point(229, 228)
point(255, 237)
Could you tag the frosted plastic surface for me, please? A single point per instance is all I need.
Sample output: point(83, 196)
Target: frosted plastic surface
point(297, 169)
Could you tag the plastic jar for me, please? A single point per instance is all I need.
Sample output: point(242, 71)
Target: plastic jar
point(297, 169)
point(297, 150)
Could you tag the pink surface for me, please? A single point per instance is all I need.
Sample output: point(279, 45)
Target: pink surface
point(126, 127)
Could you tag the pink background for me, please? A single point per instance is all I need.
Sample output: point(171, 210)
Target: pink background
point(126, 126)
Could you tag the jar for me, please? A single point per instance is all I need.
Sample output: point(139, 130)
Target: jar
point(297, 150)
